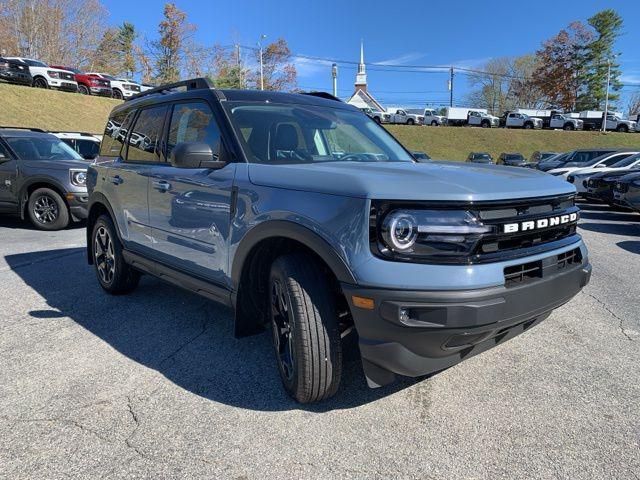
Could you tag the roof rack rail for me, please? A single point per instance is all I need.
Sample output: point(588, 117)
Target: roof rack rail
point(191, 84)
point(33, 129)
point(326, 95)
point(84, 134)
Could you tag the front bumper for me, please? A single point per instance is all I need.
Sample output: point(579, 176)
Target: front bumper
point(415, 333)
point(101, 91)
point(63, 85)
point(78, 205)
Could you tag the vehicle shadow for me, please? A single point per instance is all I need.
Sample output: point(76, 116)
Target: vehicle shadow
point(632, 246)
point(626, 229)
point(186, 338)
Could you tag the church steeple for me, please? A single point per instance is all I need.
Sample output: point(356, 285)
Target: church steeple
point(361, 77)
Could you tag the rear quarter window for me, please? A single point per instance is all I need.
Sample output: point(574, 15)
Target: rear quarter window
point(115, 134)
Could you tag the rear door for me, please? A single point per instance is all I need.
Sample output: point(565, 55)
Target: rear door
point(190, 209)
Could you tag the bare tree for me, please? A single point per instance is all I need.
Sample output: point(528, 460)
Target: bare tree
point(634, 104)
point(55, 31)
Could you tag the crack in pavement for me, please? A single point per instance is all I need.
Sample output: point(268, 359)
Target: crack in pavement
point(136, 420)
point(612, 313)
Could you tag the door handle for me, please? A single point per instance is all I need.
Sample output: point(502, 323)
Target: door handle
point(117, 180)
point(161, 185)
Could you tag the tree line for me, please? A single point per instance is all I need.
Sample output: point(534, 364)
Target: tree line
point(74, 33)
point(568, 72)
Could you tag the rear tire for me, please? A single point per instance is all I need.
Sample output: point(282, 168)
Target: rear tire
point(114, 275)
point(305, 329)
point(47, 210)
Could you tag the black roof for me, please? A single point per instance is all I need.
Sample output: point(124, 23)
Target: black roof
point(186, 88)
point(23, 132)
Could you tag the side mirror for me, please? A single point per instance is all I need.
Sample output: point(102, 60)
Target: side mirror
point(195, 155)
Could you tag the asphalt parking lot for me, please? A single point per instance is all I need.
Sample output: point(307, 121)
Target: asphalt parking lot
point(154, 384)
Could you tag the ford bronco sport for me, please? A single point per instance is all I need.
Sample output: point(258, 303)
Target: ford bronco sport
point(41, 177)
point(304, 214)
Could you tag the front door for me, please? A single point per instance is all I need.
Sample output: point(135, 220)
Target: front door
point(190, 209)
point(8, 181)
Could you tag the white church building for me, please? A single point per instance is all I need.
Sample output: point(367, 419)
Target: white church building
point(361, 97)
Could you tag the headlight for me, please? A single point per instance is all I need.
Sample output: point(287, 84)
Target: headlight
point(571, 179)
point(78, 177)
point(53, 74)
point(424, 235)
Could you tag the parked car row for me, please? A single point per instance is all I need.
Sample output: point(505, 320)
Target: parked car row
point(611, 175)
point(27, 71)
point(520, 118)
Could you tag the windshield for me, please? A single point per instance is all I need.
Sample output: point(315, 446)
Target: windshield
point(627, 161)
point(514, 156)
point(294, 134)
point(108, 77)
point(42, 148)
point(35, 63)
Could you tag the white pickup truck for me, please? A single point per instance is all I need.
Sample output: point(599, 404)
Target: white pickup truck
point(432, 118)
point(522, 120)
point(401, 116)
point(565, 122)
point(460, 116)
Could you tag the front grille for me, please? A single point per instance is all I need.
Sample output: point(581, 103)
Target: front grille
point(530, 272)
point(100, 83)
point(505, 244)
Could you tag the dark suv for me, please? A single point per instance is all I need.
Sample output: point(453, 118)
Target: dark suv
point(15, 71)
point(304, 214)
point(41, 177)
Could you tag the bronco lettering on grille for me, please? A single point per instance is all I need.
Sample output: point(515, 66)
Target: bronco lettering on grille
point(540, 223)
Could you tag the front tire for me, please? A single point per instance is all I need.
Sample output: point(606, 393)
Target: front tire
point(117, 94)
point(568, 127)
point(114, 275)
point(40, 83)
point(622, 129)
point(485, 125)
point(83, 90)
point(410, 121)
point(305, 329)
point(47, 210)
point(528, 126)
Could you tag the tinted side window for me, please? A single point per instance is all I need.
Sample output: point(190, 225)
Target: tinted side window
point(193, 122)
point(145, 135)
point(87, 148)
point(114, 134)
point(616, 159)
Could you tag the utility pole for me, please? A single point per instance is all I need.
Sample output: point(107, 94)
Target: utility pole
point(606, 101)
point(451, 74)
point(262, 37)
point(334, 75)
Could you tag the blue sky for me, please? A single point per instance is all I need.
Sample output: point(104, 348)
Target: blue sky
point(458, 33)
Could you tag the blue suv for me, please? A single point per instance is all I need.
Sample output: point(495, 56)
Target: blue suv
point(303, 214)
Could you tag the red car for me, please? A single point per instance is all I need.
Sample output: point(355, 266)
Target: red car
point(90, 85)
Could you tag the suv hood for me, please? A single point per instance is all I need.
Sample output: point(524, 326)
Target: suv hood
point(587, 171)
point(56, 164)
point(448, 181)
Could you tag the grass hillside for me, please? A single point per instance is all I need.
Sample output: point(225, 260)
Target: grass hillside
point(53, 110)
point(455, 143)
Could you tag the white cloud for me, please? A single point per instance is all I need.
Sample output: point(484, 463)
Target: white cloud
point(307, 67)
point(402, 59)
point(632, 78)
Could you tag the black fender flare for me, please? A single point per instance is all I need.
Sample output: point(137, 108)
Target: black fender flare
point(99, 198)
point(23, 197)
point(293, 231)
